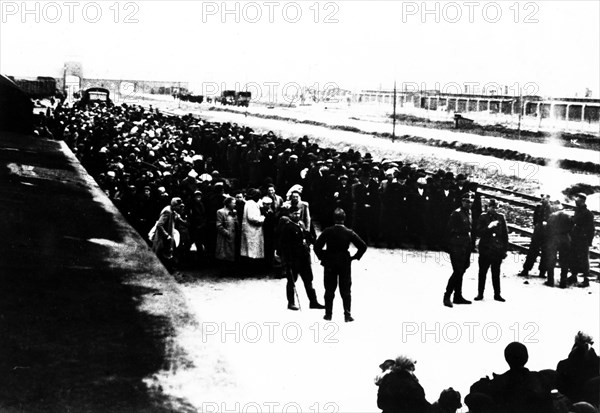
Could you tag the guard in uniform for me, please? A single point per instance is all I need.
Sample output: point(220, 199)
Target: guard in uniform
point(459, 247)
point(582, 236)
point(337, 261)
point(493, 246)
point(538, 238)
point(295, 251)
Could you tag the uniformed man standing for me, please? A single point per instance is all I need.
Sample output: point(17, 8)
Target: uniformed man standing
point(582, 236)
point(493, 245)
point(459, 247)
point(540, 218)
point(337, 261)
point(559, 241)
point(295, 251)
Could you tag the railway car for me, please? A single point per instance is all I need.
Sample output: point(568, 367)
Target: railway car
point(41, 87)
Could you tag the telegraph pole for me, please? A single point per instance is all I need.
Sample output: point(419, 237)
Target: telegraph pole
point(394, 116)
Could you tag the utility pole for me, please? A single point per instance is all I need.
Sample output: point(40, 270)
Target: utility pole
point(521, 108)
point(394, 116)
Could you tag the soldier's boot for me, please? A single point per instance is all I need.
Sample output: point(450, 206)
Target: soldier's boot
point(347, 316)
point(447, 301)
point(312, 297)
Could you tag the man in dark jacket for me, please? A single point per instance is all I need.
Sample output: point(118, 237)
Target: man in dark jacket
point(459, 247)
point(518, 390)
point(582, 236)
point(559, 241)
point(337, 261)
point(295, 251)
point(493, 246)
point(540, 218)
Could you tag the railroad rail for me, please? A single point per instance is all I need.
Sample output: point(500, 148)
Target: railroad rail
point(519, 237)
point(518, 240)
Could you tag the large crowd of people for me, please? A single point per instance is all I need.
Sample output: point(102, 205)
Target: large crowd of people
point(573, 386)
point(203, 193)
point(144, 159)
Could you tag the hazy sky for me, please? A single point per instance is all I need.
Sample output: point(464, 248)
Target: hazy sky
point(548, 47)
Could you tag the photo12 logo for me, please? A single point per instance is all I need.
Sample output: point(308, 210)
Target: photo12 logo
point(269, 332)
point(68, 11)
point(269, 12)
point(274, 92)
point(268, 407)
point(469, 331)
point(469, 11)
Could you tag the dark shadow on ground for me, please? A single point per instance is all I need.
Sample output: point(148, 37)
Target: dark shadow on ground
point(71, 336)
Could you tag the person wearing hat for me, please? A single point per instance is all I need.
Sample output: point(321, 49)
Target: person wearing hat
point(361, 207)
point(493, 246)
point(337, 261)
point(343, 195)
point(461, 187)
point(400, 390)
point(294, 249)
point(227, 228)
point(198, 220)
point(459, 248)
point(538, 238)
point(418, 200)
point(164, 233)
point(558, 242)
point(582, 236)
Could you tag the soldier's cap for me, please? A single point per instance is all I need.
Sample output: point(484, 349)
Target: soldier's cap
point(468, 195)
point(197, 193)
point(581, 195)
point(492, 202)
point(293, 156)
point(343, 177)
point(460, 177)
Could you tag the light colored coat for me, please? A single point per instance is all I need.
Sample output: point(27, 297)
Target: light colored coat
point(253, 241)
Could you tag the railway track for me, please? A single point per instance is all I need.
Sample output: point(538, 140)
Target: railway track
point(519, 237)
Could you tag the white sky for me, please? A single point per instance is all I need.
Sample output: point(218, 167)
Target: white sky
point(369, 46)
